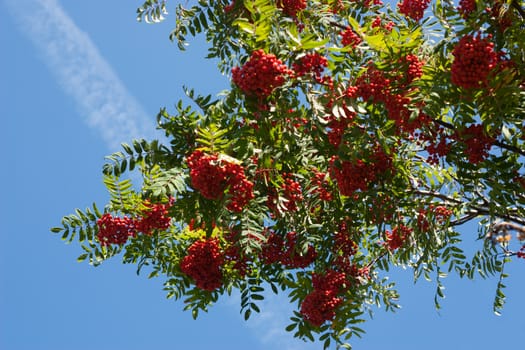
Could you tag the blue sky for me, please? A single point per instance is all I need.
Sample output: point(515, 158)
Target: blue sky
point(76, 79)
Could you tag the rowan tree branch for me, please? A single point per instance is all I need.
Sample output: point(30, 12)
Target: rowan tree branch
point(473, 210)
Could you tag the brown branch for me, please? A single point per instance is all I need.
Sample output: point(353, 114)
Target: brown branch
point(474, 210)
point(509, 147)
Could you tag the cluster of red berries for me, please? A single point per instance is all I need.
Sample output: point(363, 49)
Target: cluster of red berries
point(413, 8)
point(114, 230)
point(373, 85)
point(286, 251)
point(154, 217)
point(440, 214)
point(211, 176)
point(203, 264)
point(292, 192)
point(474, 61)
point(381, 209)
point(321, 186)
point(521, 252)
point(312, 63)
point(414, 68)
point(320, 305)
point(350, 38)
point(397, 237)
point(477, 142)
point(291, 7)
point(357, 175)
point(466, 7)
point(261, 74)
point(378, 23)
point(351, 176)
point(437, 144)
point(343, 243)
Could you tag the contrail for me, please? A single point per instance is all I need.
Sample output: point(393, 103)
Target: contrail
point(82, 72)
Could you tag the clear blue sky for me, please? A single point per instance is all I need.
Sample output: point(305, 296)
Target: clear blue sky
point(76, 79)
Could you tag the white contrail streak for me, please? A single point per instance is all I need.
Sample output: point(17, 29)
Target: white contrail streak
point(82, 72)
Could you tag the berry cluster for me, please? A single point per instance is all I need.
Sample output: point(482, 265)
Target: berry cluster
point(293, 192)
point(397, 237)
point(381, 209)
point(293, 257)
point(474, 60)
point(261, 74)
point(350, 38)
point(373, 85)
point(291, 7)
point(437, 144)
point(477, 142)
point(414, 69)
point(155, 217)
point(521, 253)
point(343, 244)
point(114, 230)
point(319, 305)
point(321, 186)
point(286, 251)
point(439, 214)
point(350, 176)
point(378, 23)
point(466, 7)
point(203, 264)
point(207, 176)
point(211, 176)
point(413, 8)
point(358, 175)
point(312, 63)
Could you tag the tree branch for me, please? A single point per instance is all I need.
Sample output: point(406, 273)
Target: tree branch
point(474, 210)
point(510, 147)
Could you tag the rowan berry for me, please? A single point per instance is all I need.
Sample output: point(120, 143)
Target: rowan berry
point(212, 176)
point(114, 230)
point(291, 7)
point(350, 38)
point(203, 264)
point(414, 9)
point(397, 237)
point(477, 142)
point(312, 63)
point(155, 216)
point(261, 74)
point(474, 60)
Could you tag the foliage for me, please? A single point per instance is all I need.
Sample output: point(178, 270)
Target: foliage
point(356, 137)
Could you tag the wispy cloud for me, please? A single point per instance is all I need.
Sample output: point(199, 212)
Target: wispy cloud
point(82, 71)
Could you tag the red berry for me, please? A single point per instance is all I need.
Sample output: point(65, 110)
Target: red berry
point(413, 8)
point(114, 230)
point(261, 74)
point(203, 264)
point(474, 60)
